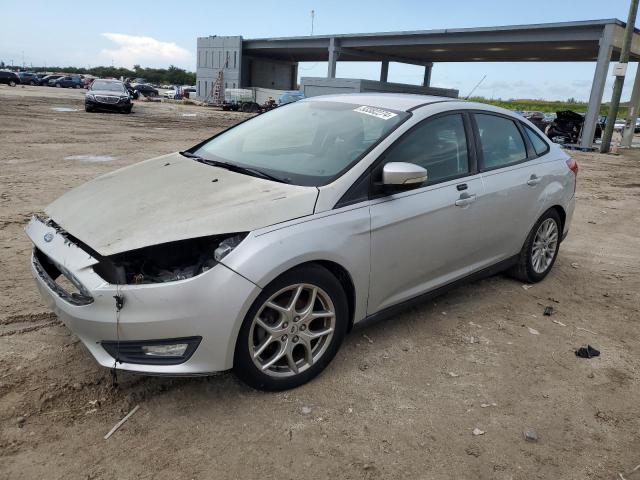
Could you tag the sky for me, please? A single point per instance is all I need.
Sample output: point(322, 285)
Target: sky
point(161, 33)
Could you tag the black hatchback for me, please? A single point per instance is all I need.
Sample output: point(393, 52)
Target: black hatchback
point(9, 78)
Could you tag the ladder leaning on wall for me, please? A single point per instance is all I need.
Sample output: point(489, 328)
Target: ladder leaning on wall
point(217, 92)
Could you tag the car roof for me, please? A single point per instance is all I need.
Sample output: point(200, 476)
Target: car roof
point(408, 102)
point(392, 101)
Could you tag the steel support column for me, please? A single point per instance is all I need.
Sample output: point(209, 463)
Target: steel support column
point(634, 103)
point(333, 58)
point(384, 71)
point(427, 75)
point(597, 88)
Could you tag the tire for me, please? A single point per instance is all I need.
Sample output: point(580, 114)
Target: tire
point(12, 83)
point(127, 111)
point(291, 330)
point(88, 109)
point(527, 270)
point(32, 83)
point(58, 85)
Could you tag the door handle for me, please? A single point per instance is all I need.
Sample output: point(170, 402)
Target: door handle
point(533, 180)
point(465, 199)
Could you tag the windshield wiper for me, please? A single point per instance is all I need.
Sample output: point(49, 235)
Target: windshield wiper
point(235, 168)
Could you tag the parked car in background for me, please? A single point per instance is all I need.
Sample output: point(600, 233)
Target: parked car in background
point(289, 97)
point(28, 78)
point(380, 201)
point(537, 118)
point(67, 81)
point(87, 80)
point(9, 78)
point(146, 90)
point(45, 80)
point(109, 95)
point(171, 94)
point(567, 127)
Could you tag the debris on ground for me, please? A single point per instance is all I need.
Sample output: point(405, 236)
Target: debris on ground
point(575, 265)
point(548, 311)
point(533, 331)
point(527, 287)
point(306, 410)
point(367, 338)
point(485, 405)
point(558, 322)
point(472, 450)
point(477, 431)
point(121, 422)
point(587, 352)
point(586, 330)
point(530, 435)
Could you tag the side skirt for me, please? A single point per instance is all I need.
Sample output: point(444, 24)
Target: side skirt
point(412, 302)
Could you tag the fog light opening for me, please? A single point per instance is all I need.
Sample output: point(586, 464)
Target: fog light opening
point(176, 350)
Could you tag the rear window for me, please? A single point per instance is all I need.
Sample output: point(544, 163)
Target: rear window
point(539, 145)
point(500, 141)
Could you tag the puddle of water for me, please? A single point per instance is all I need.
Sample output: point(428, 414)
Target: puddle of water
point(91, 158)
point(189, 114)
point(64, 109)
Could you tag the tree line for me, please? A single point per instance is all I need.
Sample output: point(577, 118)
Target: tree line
point(172, 75)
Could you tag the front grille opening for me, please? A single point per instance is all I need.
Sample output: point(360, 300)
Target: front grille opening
point(59, 280)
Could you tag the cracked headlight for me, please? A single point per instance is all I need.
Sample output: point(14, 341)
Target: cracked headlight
point(167, 262)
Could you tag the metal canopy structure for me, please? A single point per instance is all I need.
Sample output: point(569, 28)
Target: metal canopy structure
point(597, 41)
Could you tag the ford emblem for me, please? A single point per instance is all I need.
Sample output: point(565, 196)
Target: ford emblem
point(48, 237)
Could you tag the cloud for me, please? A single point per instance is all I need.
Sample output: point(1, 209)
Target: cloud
point(146, 51)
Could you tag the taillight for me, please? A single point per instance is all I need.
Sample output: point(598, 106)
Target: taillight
point(573, 165)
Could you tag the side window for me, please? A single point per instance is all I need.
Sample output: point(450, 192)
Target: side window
point(439, 145)
point(539, 145)
point(500, 141)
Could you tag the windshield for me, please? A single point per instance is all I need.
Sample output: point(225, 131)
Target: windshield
point(305, 143)
point(110, 86)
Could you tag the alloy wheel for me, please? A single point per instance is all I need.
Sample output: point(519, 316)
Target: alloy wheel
point(292, 330)
point(545, 245)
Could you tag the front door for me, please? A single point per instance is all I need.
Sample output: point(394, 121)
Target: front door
point(425, 238)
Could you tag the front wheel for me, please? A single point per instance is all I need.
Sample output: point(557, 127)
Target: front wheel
point(540, 250)
point(12, 83)
point(293, 330)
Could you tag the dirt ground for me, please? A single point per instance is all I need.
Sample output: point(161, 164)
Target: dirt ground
point(402, 397)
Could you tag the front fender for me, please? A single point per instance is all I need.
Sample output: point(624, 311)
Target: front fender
point(341, 236)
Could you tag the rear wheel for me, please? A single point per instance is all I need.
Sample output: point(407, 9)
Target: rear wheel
point(12, 83)
point(540, 250)
point(293, 330)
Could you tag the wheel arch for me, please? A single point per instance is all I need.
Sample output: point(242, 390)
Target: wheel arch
point(562, 213)
point(340, 273)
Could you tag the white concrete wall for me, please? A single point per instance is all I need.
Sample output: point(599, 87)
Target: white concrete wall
point(214, 54)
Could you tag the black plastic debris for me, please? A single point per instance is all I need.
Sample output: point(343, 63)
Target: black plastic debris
point(587, 352)
point(548, 311)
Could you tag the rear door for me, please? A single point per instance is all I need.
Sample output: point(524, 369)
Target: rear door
point(514, 178)
point(425, 237)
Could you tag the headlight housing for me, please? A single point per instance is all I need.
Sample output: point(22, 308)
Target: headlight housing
point(167, 262)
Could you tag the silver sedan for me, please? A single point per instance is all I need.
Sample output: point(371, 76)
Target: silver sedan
point(261, 247)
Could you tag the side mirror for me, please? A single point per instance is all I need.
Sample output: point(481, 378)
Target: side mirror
point(403, 175)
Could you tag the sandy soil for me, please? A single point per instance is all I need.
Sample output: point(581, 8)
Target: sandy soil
point(402, 397)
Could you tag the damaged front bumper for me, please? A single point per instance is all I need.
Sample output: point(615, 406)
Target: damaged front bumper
point(210, 306)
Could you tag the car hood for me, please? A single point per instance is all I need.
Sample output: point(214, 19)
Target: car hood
point(173, 198)
point(110, 93)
